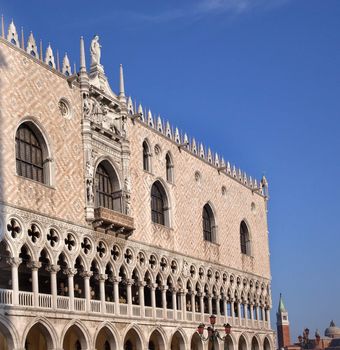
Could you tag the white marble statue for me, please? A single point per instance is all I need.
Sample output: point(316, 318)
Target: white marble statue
point(95, 51)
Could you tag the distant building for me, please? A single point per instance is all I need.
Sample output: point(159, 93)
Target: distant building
point(331, 341)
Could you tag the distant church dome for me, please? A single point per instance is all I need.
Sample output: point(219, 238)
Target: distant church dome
point(332, 331)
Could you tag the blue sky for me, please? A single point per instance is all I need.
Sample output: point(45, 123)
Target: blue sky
point(256, 80)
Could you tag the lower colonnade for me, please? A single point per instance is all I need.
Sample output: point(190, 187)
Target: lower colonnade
point(40, 333)
point(71, 288)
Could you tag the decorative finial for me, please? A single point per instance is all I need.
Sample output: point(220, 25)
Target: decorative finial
point(121, 83)
point(58, 63)
point(82, 56)
point(49, 57)
point(12, 35)
point(2, 27)
point(41, 50)
point(66, 69)
point(22, 38)
point(32, 46)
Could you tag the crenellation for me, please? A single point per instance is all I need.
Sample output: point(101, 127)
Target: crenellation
point(12, 35)
point(31, 47)
point(166, 129)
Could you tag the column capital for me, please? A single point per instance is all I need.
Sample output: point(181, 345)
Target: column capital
point(154, 286)
point(34, 265)
point(129, 281)
point(164, 288)
point(101, 277)
point(141, 283)
point(52, 268)
point(86, 274)
point(14, 261)
point(70, 272)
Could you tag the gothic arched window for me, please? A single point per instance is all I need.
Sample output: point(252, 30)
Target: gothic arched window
point(244, 238)
point(208, 224)
point(108, 194)
point(146, 157)
point(32, 159)
point(169, 168)
point(159, 205)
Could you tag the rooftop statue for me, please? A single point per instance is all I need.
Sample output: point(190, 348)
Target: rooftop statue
point(95, 51)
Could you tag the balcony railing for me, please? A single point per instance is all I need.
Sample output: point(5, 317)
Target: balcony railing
point(114, 221)
point(63, 303)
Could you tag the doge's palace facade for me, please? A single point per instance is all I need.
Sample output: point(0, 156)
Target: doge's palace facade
point(116, 230)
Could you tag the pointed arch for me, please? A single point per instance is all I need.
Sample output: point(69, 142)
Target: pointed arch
point(133, 338)
point(242, 342)
point(209, 225)
point(157, 339)
point(33, 152)
point(255, 343)
point(5, 268)
point(40, 334)
point(146, 155)
point(178, 340)
point(9, 337)
point(169, 167)
point(108, 186)
point(106, 337)
point(75, 333)
point(245, 238)
point(160, 204)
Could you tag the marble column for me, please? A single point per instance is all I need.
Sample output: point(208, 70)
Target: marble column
point(53, 270)
point(164, 289)
point(14, 263)
point(129, 295)
point(174, 303)
point(153, 299)
point(87, 275)
point(102, 278)
point(116, 281)
point(141, 286)
point(70, 272)
point(34, 266)
point(210, 304)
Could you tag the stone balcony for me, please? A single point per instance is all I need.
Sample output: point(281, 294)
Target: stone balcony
point(112, 221)
point(62, 304)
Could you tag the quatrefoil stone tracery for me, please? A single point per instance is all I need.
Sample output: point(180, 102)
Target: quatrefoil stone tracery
point(86, 246)
point(101, 250)
point(115, 253)
point(14, 228)
point(70, 242)
point(53, 237)
point(34, 233)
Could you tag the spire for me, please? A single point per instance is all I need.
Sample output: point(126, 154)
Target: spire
point(2, 27)
point(281, 305)
point(58, 63)
point(82, 56)
point(32, 46)
point(121, 83)
point(66, 69)
point(12, 35)
point(49, 57)
point(41, 50)
point(22, 38)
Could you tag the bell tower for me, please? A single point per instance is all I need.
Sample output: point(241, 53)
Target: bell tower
point(282, 323)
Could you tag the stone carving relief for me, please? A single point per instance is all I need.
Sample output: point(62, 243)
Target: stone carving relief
point(104, 115)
